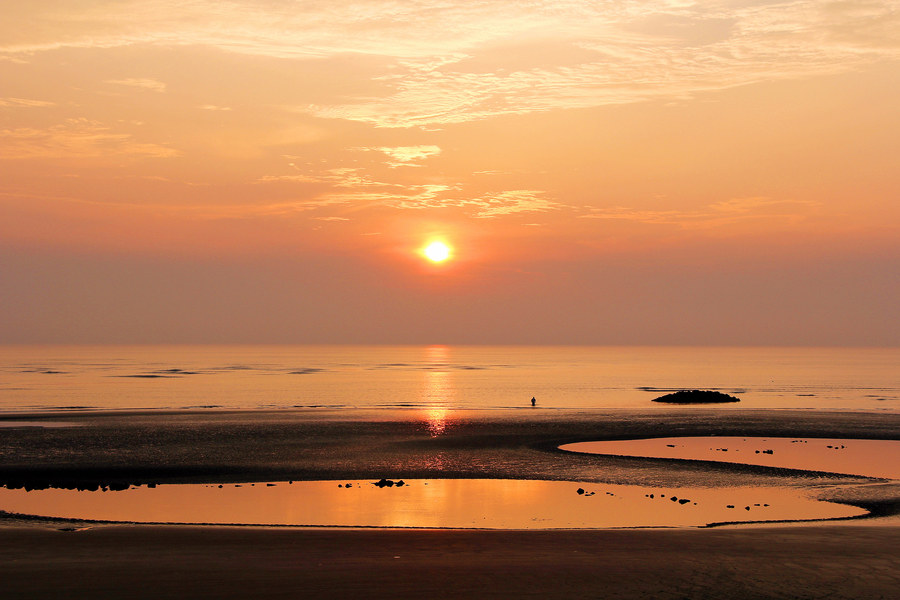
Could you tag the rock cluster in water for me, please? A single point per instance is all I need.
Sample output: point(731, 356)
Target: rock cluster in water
point(389, 483)
point(696, 397)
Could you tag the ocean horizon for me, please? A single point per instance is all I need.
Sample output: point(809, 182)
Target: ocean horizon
point(349, 377)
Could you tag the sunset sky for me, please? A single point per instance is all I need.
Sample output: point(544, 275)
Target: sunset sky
point(627, 172)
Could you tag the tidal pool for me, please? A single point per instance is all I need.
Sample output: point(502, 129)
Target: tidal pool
point(869, 458)
point(430, 503)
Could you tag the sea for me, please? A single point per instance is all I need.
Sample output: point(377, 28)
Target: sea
point(347, 378)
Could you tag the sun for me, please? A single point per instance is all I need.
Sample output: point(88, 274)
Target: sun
point(437, 252)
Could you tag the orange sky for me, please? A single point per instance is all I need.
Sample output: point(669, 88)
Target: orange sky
point(665, 172)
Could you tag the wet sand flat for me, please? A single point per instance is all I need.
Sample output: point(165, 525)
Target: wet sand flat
point(186, 562)
point(215, 447)
point(39, 560)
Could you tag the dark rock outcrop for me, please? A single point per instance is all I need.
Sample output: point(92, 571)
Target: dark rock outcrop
point(696, 397)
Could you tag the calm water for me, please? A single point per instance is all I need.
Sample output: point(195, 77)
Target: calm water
point(157, 377)
point(458, 503)
point(868, 458)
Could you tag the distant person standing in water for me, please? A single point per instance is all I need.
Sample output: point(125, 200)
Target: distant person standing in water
point(533, 401)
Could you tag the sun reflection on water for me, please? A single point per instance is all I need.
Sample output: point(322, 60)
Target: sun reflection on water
point(436, 421)
point(437, 390)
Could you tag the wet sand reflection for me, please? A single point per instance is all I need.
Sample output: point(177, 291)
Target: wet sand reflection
point(454, 503)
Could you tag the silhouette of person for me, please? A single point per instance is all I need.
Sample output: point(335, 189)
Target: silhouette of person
point(533, 401)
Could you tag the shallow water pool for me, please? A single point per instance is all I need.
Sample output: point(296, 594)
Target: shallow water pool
point(869, 458)
point(430, 503)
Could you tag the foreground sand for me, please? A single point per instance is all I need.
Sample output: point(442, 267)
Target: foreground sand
point(41, 559)
point(190, 562)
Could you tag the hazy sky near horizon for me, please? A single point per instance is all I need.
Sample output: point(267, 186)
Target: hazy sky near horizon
point(628, 172)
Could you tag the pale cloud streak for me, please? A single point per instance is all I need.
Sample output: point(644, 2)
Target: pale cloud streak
point(74, 138)
point(185, 211)
point(451, 62)
point(513, 202)
point(24, 103)
point(437, 197)
point(356, 187)
point(720, 213)
point(148, 84)
point(408, 156)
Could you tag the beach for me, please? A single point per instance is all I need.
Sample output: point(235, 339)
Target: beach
point(853, 558)
point(449, 299)
point(188, 562)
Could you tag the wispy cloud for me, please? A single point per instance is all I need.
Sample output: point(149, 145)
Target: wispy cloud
point(148, 84)
point(186, 210)
point(373, 182)
point(725, 212)
point(24, 103)
point(74, 138)
point(408, 156)
point(513, 202)
point(433, 196)
point(451, 62)
point(357, 187)
point(293, 178)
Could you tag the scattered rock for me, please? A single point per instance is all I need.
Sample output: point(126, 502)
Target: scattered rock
point(580, 491)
